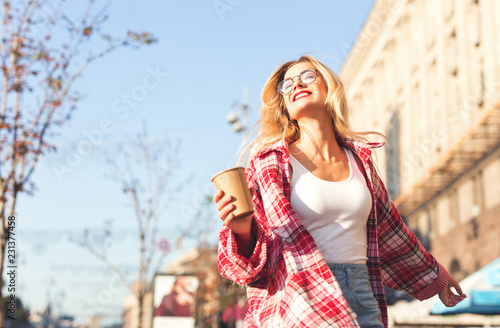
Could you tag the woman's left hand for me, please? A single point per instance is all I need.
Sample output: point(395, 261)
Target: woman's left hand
point(448, 297)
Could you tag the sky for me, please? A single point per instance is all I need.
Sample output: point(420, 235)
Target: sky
point(183, 86)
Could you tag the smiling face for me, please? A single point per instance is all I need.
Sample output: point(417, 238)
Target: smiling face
point(304, 99)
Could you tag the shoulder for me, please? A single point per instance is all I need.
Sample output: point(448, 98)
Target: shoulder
point(280, 148)
point(269, 164)
point(362, 149)
point(275, 155)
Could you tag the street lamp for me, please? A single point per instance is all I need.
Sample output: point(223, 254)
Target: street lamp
point(238, 115)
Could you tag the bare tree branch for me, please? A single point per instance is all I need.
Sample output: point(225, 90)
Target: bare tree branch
point(101, 255)
point(38, 93)
point(143, 169)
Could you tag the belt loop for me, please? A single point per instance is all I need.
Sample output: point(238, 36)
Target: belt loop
point(349, 277)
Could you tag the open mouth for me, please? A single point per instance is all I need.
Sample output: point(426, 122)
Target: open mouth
point(301, 94)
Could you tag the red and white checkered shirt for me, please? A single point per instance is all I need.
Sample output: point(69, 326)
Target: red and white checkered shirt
point(289, 283)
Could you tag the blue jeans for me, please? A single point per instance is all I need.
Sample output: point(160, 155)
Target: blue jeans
point(355, 284)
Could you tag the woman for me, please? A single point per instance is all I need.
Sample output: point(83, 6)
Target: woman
point(325, 237)
point(178, 302)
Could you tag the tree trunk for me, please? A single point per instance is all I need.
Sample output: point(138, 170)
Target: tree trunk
point(2, 256)
point(140, 301)
point(3, 242)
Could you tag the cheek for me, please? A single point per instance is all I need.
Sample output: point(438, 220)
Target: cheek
point(324, 90)
point(324, 95)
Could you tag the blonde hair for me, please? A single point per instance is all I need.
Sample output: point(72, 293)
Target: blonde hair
point(275, 122)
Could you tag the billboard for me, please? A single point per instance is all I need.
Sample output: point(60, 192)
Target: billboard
point(174, 301)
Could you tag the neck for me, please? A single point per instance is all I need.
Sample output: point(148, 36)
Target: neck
point(317, 140)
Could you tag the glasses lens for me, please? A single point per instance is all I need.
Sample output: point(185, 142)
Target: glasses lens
point(308, 76)
point(285, 86)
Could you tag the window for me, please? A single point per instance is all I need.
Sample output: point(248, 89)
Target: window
point(393, 163)
point(478, 193)
point(453, 207)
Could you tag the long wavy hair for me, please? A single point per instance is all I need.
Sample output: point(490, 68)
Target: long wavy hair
point(275, 123)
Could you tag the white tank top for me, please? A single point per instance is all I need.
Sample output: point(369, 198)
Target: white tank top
point(335, 213)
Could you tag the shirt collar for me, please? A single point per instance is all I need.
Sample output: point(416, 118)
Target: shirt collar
point(280, 145)
point(364, 149)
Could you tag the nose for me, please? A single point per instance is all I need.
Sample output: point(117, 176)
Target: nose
point(297, 81)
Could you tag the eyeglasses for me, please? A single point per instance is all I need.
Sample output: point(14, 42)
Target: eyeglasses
point(308, 76)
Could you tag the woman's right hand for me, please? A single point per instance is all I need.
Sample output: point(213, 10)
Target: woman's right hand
point(240, 226)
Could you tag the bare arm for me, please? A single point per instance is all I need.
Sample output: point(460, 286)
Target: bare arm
point(241, 227)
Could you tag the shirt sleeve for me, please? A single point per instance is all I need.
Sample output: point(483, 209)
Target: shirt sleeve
point(406, 264)
point(233, 265)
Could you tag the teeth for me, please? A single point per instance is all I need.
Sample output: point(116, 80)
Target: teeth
point(301, 95)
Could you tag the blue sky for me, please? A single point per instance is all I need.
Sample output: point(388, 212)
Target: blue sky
point(183, 86)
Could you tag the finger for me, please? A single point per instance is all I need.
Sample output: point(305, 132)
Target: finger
point(453, 299)
point(456, 299)
point(228, 219)
point(446, 300)
point(223, 202)
point(453, 283)
point(450, 303)
point(458, 288)
point(446, 296)
point(218, 195)
point(225, 211)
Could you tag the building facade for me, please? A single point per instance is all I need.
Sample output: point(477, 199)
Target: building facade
point(130, 316)
point(426, 74)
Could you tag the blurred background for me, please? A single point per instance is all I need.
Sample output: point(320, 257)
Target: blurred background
point(127, 109)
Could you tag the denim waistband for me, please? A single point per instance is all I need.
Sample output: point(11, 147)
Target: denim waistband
point(354, 268)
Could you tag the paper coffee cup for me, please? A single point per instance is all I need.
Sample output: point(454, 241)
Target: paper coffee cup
point(233, 182)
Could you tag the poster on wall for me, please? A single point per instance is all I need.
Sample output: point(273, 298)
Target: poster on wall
point(174, 301)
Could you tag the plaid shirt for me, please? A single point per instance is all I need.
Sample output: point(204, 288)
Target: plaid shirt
point(289, 283)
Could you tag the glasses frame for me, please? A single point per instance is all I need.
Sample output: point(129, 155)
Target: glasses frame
point(280, 85)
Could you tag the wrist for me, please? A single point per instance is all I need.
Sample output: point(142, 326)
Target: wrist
point(246, 243)
point(245, 237)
